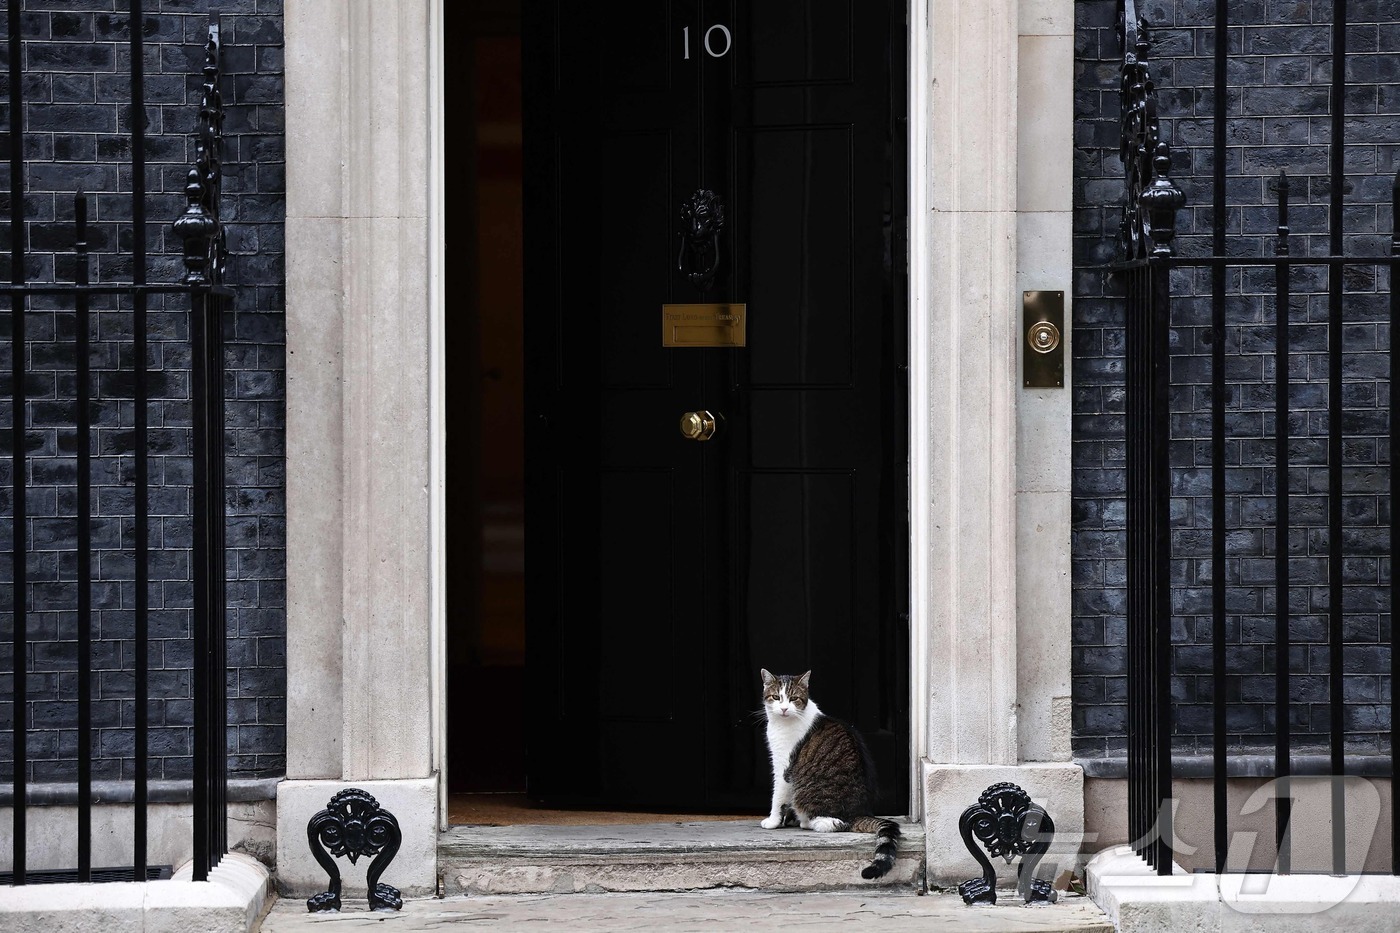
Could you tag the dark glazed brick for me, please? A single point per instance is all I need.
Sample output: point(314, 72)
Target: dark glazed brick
point(77, 113)
point(1278, 117)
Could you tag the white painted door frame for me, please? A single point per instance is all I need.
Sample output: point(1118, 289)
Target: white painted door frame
point(437, 330)
point(920, 492)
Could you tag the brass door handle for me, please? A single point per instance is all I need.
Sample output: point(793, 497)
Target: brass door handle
point(698, 425)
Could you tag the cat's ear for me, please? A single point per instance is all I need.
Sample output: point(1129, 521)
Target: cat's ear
point(767, 677)
point(804, 679)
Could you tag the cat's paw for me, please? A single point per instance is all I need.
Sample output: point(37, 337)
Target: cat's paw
point(828, 824)
point(771, 822)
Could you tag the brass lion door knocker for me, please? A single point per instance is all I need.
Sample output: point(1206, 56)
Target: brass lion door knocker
point(702, 219)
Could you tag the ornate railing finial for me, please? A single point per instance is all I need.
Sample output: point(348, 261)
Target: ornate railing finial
point(1152, 198)
point(200, 226)
point(1160, 202)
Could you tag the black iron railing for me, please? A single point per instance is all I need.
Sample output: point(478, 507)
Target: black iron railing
point(1145, 267)
point(1146, 236)
point(201, 231)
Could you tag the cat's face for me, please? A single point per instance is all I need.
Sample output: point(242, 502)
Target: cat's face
point(785, 695)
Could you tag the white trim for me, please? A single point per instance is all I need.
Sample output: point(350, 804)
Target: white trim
point(920, 453)
point(437, 403)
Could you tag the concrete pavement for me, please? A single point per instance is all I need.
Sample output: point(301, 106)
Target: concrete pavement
point(709, 911)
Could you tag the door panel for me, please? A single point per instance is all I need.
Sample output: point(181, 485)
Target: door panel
point(796, 185)
point(802, 43)
point(640, 266)
point(663, 573)
point(797, 579)
point(638, 595)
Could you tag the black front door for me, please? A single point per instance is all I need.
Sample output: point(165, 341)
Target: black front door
point(663, 571)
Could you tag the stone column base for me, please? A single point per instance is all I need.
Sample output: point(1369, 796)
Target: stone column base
point(951, 789)
point(231, 901)
point(413, 870)
point(1138, 900)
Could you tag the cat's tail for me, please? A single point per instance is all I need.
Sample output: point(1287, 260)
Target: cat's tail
point(887, 844)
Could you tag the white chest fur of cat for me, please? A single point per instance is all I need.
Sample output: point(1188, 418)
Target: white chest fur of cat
point(822, 772)
point(786, 727)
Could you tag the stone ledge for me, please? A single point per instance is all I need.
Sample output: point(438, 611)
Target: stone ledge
point(723, 836)
point(231, 901)
point(1138, 900)
point(53, 794)
point(665, 857)
point(1244, 765)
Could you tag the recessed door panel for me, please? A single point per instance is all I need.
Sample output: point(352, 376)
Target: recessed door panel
point(796, 41)
point(638, 594)
point(800, 535)
point(637, 226)
point(622, 46)
point(796, 186)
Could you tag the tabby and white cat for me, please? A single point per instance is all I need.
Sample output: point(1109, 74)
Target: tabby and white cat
point(822, 771)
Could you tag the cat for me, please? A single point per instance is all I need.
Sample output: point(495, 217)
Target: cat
point(823, 775)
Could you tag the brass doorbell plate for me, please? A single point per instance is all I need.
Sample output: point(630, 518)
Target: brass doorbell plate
point(1043, 323)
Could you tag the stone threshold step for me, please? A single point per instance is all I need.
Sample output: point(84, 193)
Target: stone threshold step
point(665, 857)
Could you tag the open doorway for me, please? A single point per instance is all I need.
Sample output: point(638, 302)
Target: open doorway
point(486, 408)
point(487, 683)
point(664, 572)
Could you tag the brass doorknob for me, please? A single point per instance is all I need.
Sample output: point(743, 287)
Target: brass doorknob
point(698, 425)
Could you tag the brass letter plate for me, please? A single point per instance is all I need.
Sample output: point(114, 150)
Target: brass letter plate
point(704, 325)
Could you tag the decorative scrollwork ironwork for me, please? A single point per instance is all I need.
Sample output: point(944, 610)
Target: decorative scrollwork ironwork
point(200, 227)
point(353, 824)
point(1008, 824)
point(1152, 198)
point(702, 221)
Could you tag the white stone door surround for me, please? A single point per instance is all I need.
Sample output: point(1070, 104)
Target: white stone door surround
point(991, 156)
point(364, 424)
point(990, 198)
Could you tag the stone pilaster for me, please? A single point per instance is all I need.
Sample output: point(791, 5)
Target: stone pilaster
point(969, 589)
point(991, 117)
point(361, 704)
point(1044, 230)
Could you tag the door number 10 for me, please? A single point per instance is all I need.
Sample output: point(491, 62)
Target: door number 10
point(709, 47)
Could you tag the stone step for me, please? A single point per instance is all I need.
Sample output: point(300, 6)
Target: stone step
point(666, 857)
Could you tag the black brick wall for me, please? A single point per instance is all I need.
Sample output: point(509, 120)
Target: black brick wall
point(77, 94)
point(1280, 68)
